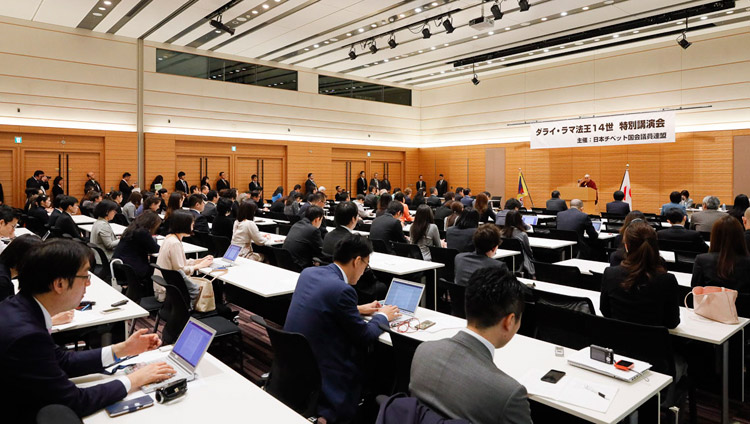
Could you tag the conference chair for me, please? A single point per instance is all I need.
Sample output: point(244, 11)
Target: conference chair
point(563, 275)
point(294, 378)
point(381, 246)
point(408, 250)
point(440, 223)
point(456, 292)
point(283, 229)
point(515, 245)
point(284, 259)
point(706, 235)
point(446, 257)
point(403, 352)
point(120, 219)
point(101, 268)
point(572, 303)
point(199, 238)
point(673, 245)
point(135, 289)
point(35, 225)
point(219, 245)
point(57, 414)
point(683, 262)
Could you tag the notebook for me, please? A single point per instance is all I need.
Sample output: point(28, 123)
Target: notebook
point(229, 257)
point(582, 359)
point(405, 295)
point(192, 344)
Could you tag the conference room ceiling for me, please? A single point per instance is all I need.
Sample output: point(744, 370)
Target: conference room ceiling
point(319, 34)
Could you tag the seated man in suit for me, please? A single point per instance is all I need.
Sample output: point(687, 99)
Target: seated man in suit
point(678, 232)
point(209, 208)
point(467, 200)
point(486, 240)
point(304, 241)
point(8, 222)
point(65, 223)
point(457, 377)
point(324, 309)
point(556, 204)
point(388, 226)
point(433, 201)
point(56, 210)
point(511, 204)
point(371, 200)
point(674, 202)
point(34, 371)
point(704, 220)
point(575, 219)
point(618, 207)
point(197, 206)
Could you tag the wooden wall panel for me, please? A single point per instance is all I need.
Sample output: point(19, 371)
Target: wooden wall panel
point(7, 180)
point(120, 156)
point(160, 159)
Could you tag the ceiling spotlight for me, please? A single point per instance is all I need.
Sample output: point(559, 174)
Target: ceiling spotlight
point(523, 5)
point(373, 47)
point(426, 33)
point(474, 79)
point(216, 23)
point(683, 42)
point(448, 26)
point(392, 42)
point(352, 54)
point(496, 12)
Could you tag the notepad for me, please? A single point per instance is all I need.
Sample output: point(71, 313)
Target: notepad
point(571, 390)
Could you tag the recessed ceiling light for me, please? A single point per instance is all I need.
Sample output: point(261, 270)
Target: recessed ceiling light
point(730, 12)
point(277, 1)
point(531, 54)
point(609, 1)
point(442, 72)
point(446, 45)
point(616, 36)
point(564, 14)
point(366, 65)
point(326, 42)
point(361, 30)
point(390, 20)
point(525, 24)
point(562, 47)
point(374, 25)
point(585, 8)
point(546, 50)
point(544, 19)
point(334, 39)
point(397, 57)
point(102, 8)
point(97, 14)
point(375, 63)
point(432, 75)
point(218, 31)
point(636, 32)
point(489, 62)
point(491, 33)
point(507, 28)
point(241, 18)
point(703, 18)
point(597, 39)
point(502, 59)
point(265, 6)
point(386, 60)
point(255, 12)
point(475, 37)
point(383, 22)
point(434, 3)
point(679, 22)
point(433, 48)
point(419, 9)
point(421, 51)
point(307, 50)
point(160, 58)
point(316, 45)
point(107, 2)
point(402, 16)
point(348, 34)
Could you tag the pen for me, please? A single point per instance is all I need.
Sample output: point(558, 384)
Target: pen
point(595, 391)
point(86, 307)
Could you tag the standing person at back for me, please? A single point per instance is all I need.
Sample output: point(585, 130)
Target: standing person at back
point(727, 263)
point(421, 184)
point(555, 203)
point(703, 221)
point(126, 188)
point(254, 184)
point(362, 183)
point(222, 183)
point(375, 181)
point(618, 207)
point(181, 184)
point(457, 376)
point(385, 184)
point(441, 185)
point(91, 183)
point(575, 219)
point(310, 186)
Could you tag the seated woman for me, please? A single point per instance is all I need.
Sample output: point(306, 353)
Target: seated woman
point(92, 199)
point(291, 207)
point(460, 236)
point(278, 205)
point(115, 196)
point(245, 232)
point(102, 235)
point(741, 202)
point(224, 222)
point(277, 194)
point(172, 255)
point(515, 228)
point(173, 204)
point(406, 216)
point(482, 205)
point(383, 202)
point(138, 243)
point(423, 232)
point(456, 209)
point(618, 255)
point(134, 201)
point(38, 209)
point(727, 263)
point(640, 290)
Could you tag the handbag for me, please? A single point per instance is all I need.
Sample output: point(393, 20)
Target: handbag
point(206, 302)
point(715, 303)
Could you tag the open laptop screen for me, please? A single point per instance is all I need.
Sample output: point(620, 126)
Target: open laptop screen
point(193, 343)
point(232, 252)
point(530, 219)
point(597, 225)
point(405, 295)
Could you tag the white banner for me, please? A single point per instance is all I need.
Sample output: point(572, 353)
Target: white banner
point(623, 130)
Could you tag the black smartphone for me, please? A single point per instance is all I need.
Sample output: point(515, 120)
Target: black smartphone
point(553, 376)
point(126, 406)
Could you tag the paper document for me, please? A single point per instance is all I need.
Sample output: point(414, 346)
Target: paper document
point(80, 318)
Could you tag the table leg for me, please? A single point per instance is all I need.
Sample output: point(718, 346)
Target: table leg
point(434, 292)
point(742, 374)
point(658, 407)
point(725, 383)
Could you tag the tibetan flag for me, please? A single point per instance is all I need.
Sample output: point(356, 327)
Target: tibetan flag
point(523, 190)
point(626, 188)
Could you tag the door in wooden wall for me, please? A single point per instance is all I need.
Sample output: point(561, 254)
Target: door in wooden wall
point(393, 170)
point(77, 165)
point(6, 177)
point(376, 166)
point(340, 173)
point(213, 165)
point(246, 167)
point(191, 166)
point(345, 174)
point(271, 176)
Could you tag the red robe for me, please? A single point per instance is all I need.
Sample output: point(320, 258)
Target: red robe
point(590, 184)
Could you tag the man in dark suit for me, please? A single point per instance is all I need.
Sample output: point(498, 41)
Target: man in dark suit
point(56, 210)
point(511, 204)
point(556, 204)
point(196, 205)
point(324, 309)
point(34, 371)
point(91, 183)
point(222, 183)
point(618, 207)
point(310, 185)
point(441, 185)
point(575, 219)
point(304, 241)
point(65, 223)
point(388, 227)
point(39, 181)
point(209, 207)
point(181, 184)
point(126, 188)
point(362, 183)
point(486, 241)
point(433, 200)
point(678, 232)
point(474, 388)
point(375, 181)
point(254, 184)
point(385, 184)
point(421, 183)
point(467, 200)
point(371, 200)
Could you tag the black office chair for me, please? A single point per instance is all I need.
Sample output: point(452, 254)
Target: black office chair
point(446, 257)
point(284, 259)
point(403, 350)
point(563, 275)
point(381, 246)
point(457, 297)
point(408, 250)
point(295, 377)
point(120, 219)
point(573, 303)
point(706, 235)
point(35, 225)
point(199, 239)
point(135, 289)
point(101, 268)
point(219, 245)
point(672, 245)
point(515, 245)
point(683, 262)
point(57, 414)
point(283, 229)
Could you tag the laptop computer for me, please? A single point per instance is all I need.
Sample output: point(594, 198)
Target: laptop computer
point(192, 344)
point(530, 219)
point(597, 226)
point(229, 257)
point(582, 359)
point(405, 295)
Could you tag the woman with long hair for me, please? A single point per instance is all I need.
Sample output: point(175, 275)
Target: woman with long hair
point(460, 236)
point(423, 231)
point(206, 181)
point(515, 228)
point(158, 180)
point(727, 263)
point(482, 205)
point(245, 232)
point(174, 204)
point(741, 203)
point(640, 289)
point(138, 243)
point(456, 209)
point(618, 255)
point(383, 202)
point(57, 187)
point(277, 194)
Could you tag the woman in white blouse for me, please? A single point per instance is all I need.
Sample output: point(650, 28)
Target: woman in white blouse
point(102, 234)
point(246, 232)
point(172, 256)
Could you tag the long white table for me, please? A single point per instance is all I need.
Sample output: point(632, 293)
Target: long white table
point(552, 244)
point(398, 265)
point(504, 253)
point(586, 266)
point(83, 219)
point(274, 281)
point(219, 394)
point(116, 228)
point(692, 326)
point(523, 354)
point(189, 249)
point(273, 239)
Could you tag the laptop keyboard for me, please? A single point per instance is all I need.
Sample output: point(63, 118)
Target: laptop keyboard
point(148, 388)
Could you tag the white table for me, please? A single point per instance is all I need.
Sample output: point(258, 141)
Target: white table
point(361, 233)
point(263, 221)
point(275, 281)
point(189, 249)
point(116, 228)
point(18, 232)
point(691, 326)
point(219, 394)
point(503, 253)
point(398, 265)
point(523, 353)
point(83, 219)
point(273, 239)
point(586, 266)
point(552, 244)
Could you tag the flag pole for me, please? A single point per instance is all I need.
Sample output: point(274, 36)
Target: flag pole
point(627, 167)
point(527, 186)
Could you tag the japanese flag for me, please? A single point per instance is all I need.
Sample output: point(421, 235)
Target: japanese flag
point(626, 188)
